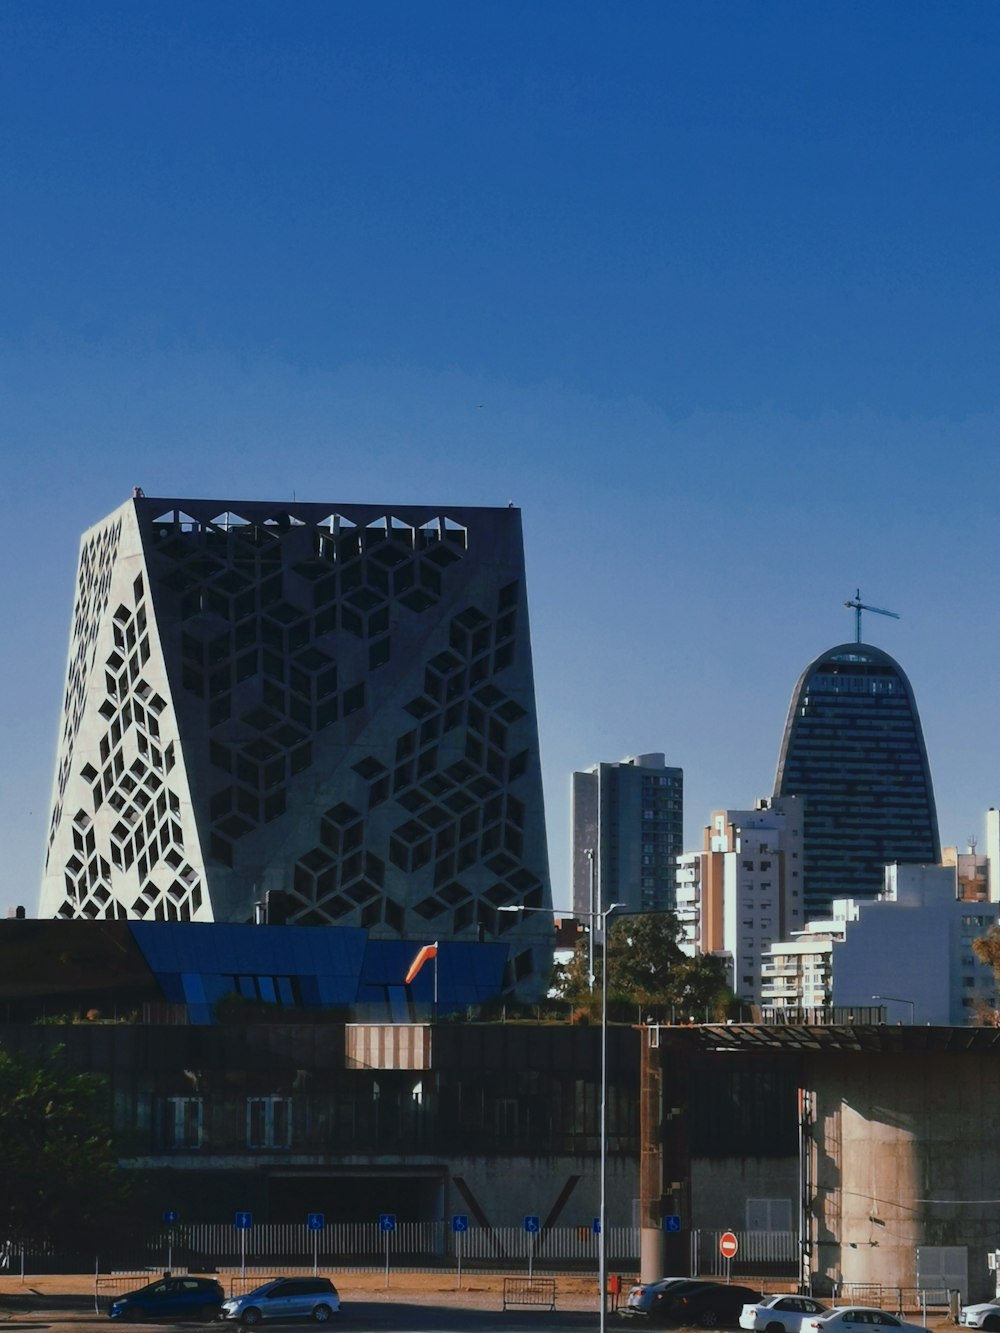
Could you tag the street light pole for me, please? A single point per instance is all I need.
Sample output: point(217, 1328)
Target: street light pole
point(591, 858)
point(602, 1243)
point(898, 999)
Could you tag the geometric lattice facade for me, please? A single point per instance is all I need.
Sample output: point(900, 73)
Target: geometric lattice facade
point(335, 701)
point(853, 751)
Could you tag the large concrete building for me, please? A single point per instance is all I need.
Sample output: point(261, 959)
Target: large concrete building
point(628, 831)
point(331, 701)
point(853, 750)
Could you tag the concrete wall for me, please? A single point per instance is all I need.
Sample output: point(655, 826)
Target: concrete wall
point(721, 1186)
point(904, 1155)
point(507, 1189)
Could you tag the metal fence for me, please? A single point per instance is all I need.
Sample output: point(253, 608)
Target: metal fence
point(760, 1253)
point(364, 1244)
point(925, 1301)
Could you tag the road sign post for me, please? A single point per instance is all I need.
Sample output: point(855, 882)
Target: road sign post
point(387, 1225)
point(728, 1245)
point(169, 1218)
point(243, 1222)
point(315, 1222)
point(459, 1226)
point(532, 1226)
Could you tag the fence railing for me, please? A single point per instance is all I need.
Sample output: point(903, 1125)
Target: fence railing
point(899, 1300)
point(271, 1249)
point(354, 1244)
point(758, 1253)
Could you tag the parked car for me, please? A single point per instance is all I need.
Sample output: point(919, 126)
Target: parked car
point(286, 1298)
point(986, 1316)
point(170, 1298)
point(856, 1317)
point(645, 1298)
point(690, 1301)
point(780, 1313)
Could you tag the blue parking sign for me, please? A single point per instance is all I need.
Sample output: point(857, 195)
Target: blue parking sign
point(459, 1222)
point(595, 1226)
point(532, 1224)
point(170, 1217)
point(243, 1221)
point(387, 1222)
point(671, 1222)
point(315, 1221)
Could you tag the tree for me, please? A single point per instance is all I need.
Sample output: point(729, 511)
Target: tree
point(59, 1169)
point(648, 973)
point(987, 950)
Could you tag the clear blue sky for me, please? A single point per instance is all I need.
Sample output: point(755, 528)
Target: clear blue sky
point(708, 289)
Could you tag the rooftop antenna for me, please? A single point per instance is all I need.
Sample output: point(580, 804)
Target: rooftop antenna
point(858, 606)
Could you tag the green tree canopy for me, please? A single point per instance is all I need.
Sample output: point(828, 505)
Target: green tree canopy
point(648, 973)
point(59, 1169)
point(987, 950)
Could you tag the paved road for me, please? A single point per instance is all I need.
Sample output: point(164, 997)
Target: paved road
point(374, 1316)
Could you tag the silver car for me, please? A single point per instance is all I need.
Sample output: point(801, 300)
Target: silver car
point(985, 1315)
point(286, 1298)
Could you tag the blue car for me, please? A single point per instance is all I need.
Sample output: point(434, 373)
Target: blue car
point(171, 1298)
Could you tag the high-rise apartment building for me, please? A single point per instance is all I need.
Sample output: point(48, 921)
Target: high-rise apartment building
point(743, 890)
point(628, 831)
point(853, 751)
point(332, 701)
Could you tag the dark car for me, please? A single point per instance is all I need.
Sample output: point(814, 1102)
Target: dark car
point(691, 1301)
point(171, 1298)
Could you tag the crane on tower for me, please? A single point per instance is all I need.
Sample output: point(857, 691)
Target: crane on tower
point(858, 606)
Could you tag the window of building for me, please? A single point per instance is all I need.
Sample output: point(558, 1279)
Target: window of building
point(182, 1122)
point(769, 1214)
point(269, 1122)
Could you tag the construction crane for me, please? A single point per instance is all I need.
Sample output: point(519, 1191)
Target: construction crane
point(858, 606)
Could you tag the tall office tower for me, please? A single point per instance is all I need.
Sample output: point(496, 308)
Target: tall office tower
point(628, 831)
point(854, 752)
point(332, 701)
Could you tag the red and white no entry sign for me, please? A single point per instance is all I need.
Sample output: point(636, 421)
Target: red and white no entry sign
point(728, 1245)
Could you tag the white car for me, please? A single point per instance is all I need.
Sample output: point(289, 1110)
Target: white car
point(779, 1314)
point(986, 1316)
point(851, 1318)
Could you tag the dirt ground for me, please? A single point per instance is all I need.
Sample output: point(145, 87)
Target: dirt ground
point(371, 1285)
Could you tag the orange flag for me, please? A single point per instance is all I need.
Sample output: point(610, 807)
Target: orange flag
point(427, 952)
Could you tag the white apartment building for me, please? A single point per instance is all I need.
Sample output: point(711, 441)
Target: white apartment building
point(797, 974)
point(743, 891)
point(910, 951)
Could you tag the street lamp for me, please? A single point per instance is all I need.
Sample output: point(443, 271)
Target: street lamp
point(897, 999)
point(602, 1244)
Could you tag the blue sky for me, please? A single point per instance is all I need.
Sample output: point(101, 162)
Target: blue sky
point(708, 289)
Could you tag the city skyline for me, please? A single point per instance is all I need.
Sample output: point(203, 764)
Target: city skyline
point(707, 292)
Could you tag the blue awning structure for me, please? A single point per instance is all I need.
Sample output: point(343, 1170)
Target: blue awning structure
point(313, 967)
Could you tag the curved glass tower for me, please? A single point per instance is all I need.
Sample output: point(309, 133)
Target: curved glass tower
point(854, 752)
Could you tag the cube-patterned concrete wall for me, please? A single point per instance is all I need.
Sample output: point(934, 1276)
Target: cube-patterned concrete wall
point(331, 700)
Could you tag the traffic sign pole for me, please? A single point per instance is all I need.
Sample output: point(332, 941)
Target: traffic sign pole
point(387, 1224)
point(459, 1225)
point(532, 1226)
point(728, 1245)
